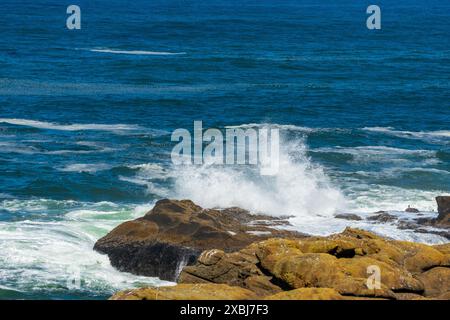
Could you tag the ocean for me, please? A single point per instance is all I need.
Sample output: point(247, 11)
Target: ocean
point(86, 118)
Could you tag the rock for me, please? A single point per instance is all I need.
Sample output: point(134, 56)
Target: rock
point(186, 292)
point(444, 296)
point(382, 217)
point(410, 296)
point(307, 294)
point(444, 248)
point(348, 216)
point(276, 268)
point(174, 233)
point(443, 203)
point(436, 281)
point(347, 275)
point(235, 269)
point(412, 210)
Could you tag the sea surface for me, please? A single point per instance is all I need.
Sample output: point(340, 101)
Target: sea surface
point(86, 117)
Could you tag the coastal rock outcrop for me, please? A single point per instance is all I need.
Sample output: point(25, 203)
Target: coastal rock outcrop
point(339, 263)
point(174, 233)
point(232, 254)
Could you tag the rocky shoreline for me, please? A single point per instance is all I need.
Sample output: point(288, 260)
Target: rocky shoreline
point(232, 254)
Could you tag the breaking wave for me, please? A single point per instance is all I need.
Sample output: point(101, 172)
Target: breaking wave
point(298, 189)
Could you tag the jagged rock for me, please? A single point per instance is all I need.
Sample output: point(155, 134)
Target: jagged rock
point(235, 269)
point(340, 262)
point(382, 217)
point(348, 216)
point(174, 233)
point(412, 210)
point(186, 292)
point(443, 203)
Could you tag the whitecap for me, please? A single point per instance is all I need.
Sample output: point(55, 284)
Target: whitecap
point(136, 52)
point(375, 150)
point(421, 135)
point(69, 127)
point(85, 167)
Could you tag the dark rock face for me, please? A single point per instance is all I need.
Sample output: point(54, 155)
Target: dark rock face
point(382, 217)
point(443, 203)
point(174, 233)
point(348, 216)
point(154, 259)
point(443, 218)
point(412, 210)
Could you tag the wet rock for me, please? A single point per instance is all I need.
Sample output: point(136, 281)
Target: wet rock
point(348, 216)
point(412, 210)
point(235, 269)
point(383, 217)
point(174, 233)
point(443, 218)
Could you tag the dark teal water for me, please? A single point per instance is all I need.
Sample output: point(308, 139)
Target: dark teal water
point(86, 118)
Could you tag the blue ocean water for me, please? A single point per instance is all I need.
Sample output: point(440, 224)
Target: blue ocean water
point(86, 117)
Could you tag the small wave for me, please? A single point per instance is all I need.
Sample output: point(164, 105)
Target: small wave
point(69, 127)
point(286, 127)
point(375, 150)
point(148, 175)
point(398, 172)
point(137, 52)
point(151, 170)
point(439, 134)
point(85, 167)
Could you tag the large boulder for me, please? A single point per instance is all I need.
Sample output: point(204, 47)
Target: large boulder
point(436, 281)
point(348, 216)
point(443, 203)
point(340, 263)
point(174, 233)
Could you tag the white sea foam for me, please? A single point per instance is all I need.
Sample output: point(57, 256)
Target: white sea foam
point(372, 197)
point(151, 170)
point(85, 167)
point(48, 254)
point(274, 126)
point(325, 226)
point(69, 127)
point(299, 188)
point(137, 52)
point(149, 175)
